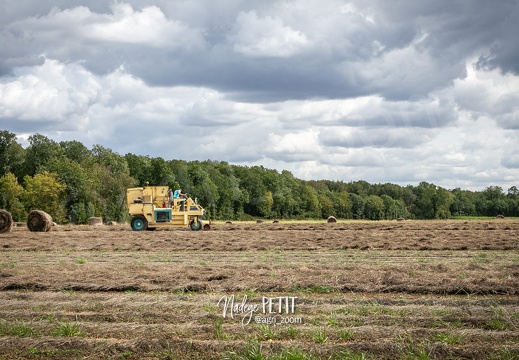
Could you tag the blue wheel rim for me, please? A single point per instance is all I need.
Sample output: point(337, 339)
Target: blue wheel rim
point(138, 224)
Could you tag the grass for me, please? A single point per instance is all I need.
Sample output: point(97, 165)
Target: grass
point(346, 334)
point(218, 329)
point(291, 332)
point(66, 329)
point(497, 324)
point(254, 351)
point(319, 336)
point(16, 328)
point(449, 338)
point(266, 332)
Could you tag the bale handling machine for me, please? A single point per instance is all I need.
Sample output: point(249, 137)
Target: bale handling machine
point(154, 207)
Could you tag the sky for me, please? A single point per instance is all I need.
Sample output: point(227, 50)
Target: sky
point(382, 91)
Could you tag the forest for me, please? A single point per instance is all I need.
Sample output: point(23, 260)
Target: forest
point(73, 183)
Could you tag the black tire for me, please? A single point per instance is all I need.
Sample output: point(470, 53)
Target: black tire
point(151, 229)
point(195, 225)
point(139, 223)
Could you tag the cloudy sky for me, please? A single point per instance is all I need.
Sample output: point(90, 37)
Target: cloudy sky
point(382, 91)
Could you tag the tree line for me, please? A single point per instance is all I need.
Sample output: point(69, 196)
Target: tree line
point(73, 183)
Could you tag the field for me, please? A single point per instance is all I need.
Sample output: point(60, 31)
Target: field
point(347, 290)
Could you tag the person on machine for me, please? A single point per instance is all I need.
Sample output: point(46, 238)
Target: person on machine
point(179, 195)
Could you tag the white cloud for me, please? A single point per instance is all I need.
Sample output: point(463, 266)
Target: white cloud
point(266, 37)
point(146, 27)
point(52, 93)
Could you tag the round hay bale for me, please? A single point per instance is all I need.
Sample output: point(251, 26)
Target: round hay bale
point(331, 219)
point(259, 221)
point(500, 216)
point(94, 221)
point(6, 221)
point(400, 219)
point(111, 223)
point(39, 221)
point(275, 221)
point(228, 223)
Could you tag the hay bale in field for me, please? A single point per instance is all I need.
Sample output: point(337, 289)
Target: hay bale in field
point(111, 223)
point(259, 221)
point(95, 221)
point(39, 221)
point(500, 216)
point(6, 221)
point(228, 223)
point(400, 219)
point(275, 221)
point(331, 219)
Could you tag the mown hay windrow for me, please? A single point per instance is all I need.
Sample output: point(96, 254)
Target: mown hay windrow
point(39, 221)
point(6, 221)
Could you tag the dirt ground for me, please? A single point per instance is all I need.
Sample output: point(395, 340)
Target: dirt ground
point(347, 290)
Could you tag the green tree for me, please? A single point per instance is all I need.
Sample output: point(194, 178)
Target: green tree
point(327, 204)
point(357, 205)
point(431, 201)
point(160, 173)
point(11, 193)
point(374, 207)
point(513, 201)
point(343, 206)
point(495, 200)
point(45, 192)
point(80, 195)
point(309, 202)
point(285, 195)
point(251, 183)
point(110, 190)
point(140, 168)
point(12, 154)
point(39, 154)
point(114, 162)
point(76, 151)
point(462, 203)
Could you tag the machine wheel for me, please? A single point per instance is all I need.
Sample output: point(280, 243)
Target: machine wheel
point(195, 225)
point(139, 223)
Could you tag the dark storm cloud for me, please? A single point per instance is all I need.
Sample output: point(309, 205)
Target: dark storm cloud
point(220, 55)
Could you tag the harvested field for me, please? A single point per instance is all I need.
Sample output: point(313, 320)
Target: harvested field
point(346, 290)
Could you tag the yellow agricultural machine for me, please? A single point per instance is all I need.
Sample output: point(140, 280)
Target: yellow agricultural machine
point(153, 207)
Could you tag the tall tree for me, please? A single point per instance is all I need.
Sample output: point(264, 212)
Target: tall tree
point(40, 152)
point(140, 168)
point(81, 195)
point(76, 151)
point(12, 155)
point(11, 193)
point(45, 192)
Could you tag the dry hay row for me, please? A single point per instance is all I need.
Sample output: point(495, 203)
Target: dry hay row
point(172, 348)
